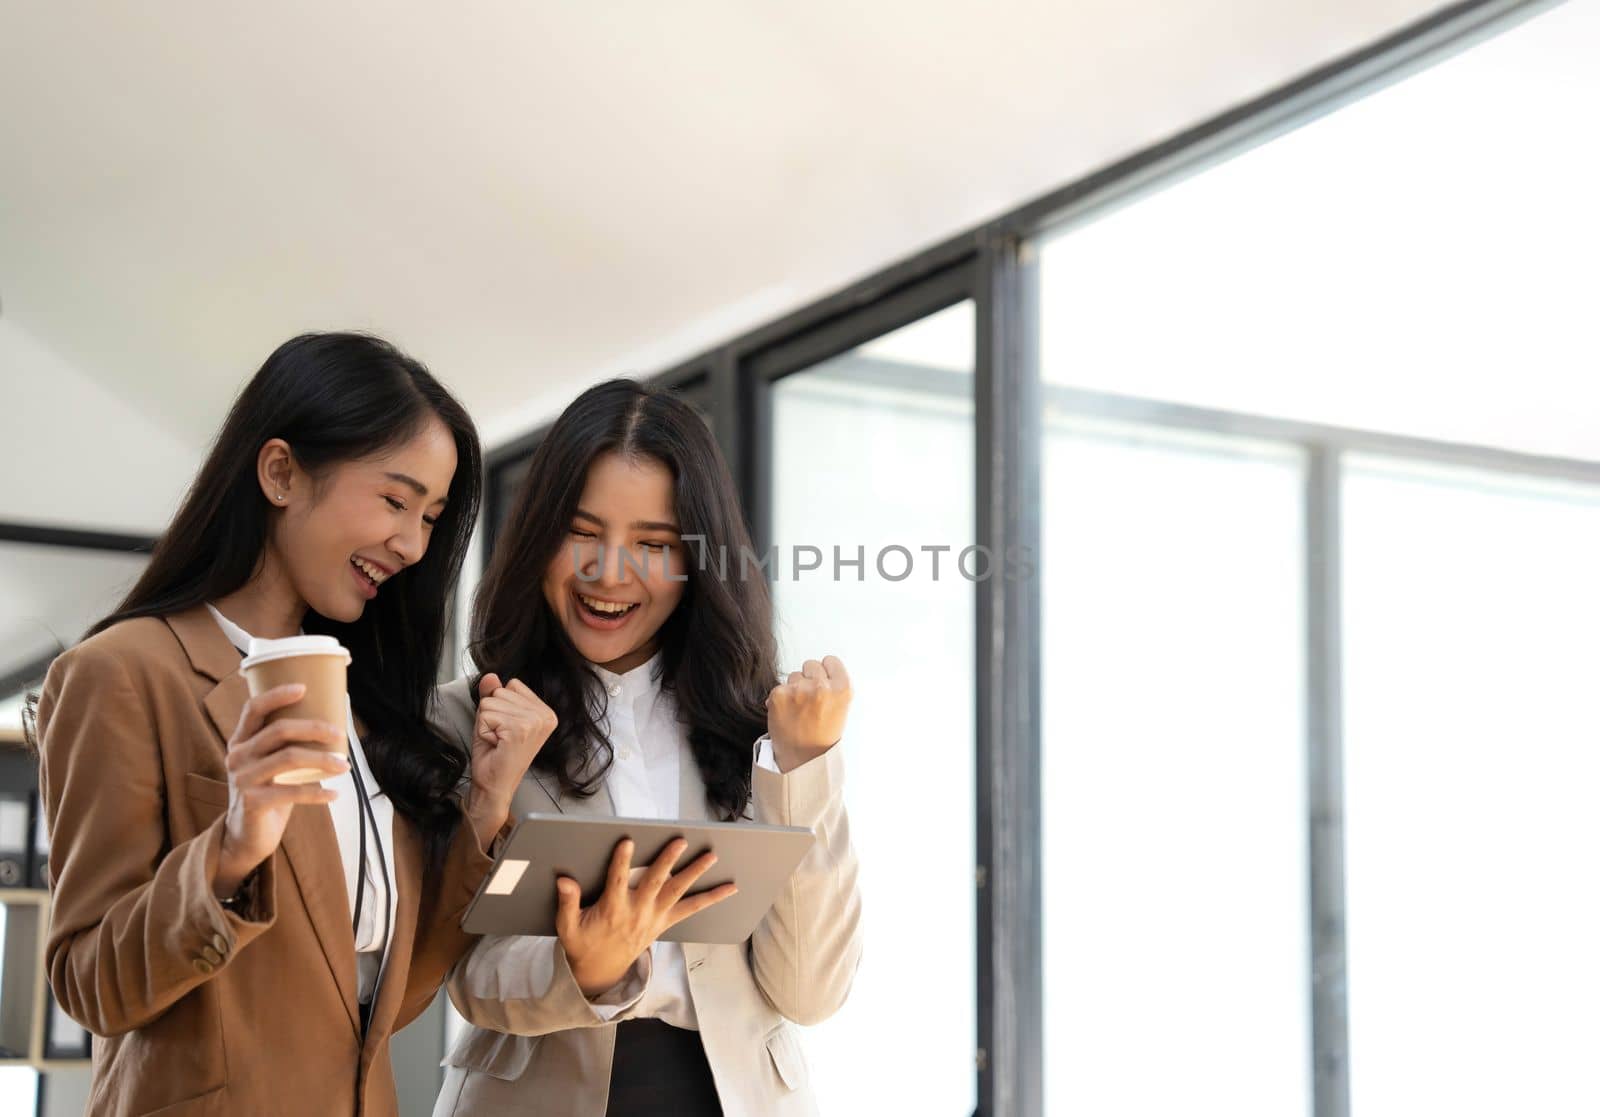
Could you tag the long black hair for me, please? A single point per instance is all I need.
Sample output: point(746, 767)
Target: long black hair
point(337, 397)
point(718, 653)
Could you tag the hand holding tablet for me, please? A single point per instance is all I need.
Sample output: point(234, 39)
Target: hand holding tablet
point(601, 941)
point(607, 886)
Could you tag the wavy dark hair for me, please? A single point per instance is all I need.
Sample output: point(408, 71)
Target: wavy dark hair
point(337, 397)
point(719, 656)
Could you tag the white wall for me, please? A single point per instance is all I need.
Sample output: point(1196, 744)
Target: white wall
point(72, 454)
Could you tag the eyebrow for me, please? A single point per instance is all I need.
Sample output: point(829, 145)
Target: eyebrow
point(416, 486)
point(637, 525)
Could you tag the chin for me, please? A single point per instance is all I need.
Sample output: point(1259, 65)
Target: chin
point(592, 650)
point(340, 610)
point(596, 651)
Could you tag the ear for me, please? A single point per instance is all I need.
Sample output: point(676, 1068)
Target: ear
point(275, 472)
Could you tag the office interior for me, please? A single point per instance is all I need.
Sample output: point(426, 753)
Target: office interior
point(1194, 408)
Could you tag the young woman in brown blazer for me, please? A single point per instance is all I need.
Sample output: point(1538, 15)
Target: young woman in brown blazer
point(238, 946)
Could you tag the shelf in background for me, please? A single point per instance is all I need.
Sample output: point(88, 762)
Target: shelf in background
point(24, 997)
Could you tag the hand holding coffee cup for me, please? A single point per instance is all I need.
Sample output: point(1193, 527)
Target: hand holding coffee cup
point(259, 804)
point(291, 735)
point(512, 725)
point(318, 663)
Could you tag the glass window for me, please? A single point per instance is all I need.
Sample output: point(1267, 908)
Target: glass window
point(874, 450)
point(19, 1085)
point(49, 595)
point(1175, 872)
point(1420, 261)
point(19, 1090)
point(1471, 773)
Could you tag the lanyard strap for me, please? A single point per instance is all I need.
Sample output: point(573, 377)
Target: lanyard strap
point(366, 817)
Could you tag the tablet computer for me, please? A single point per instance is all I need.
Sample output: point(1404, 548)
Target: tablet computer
point(519, 895)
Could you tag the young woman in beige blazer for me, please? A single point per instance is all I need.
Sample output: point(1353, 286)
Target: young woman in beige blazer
point(219, 934)
point(661, 669)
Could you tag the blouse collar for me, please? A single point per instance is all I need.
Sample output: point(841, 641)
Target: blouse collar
point(643, 680)
point(237, 636)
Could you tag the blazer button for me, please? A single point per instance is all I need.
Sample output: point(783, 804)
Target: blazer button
point(212, 956)
point(202, 966)
point(220, 943)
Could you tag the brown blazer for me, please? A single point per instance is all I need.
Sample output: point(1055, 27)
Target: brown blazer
point(196, 1009)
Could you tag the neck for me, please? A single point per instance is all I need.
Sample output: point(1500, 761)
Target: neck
point(623, 664)
point(266, 606)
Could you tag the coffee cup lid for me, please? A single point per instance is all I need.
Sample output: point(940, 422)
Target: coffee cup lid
point(262, 651)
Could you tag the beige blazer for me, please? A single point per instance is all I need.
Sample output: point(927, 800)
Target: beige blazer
point(538, 1046)
point(197, 1009)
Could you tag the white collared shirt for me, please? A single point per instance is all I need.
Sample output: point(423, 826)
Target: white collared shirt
point(370, 940)
point(647, 745)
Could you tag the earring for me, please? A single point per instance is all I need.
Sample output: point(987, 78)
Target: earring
point(280, 496)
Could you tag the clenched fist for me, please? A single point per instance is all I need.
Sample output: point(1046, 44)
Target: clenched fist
point(805, 715)
point(513, 724)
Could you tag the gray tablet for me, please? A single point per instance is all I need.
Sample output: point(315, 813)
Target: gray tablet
point(519, 895)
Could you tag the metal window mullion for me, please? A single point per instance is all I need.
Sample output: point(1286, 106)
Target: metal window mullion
point(725, 408)
point(1007, 433)
point(1330, 1029)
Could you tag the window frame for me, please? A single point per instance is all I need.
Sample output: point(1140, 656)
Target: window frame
point(996, 266)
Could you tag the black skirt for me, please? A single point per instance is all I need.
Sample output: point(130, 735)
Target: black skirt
point(659, 1069)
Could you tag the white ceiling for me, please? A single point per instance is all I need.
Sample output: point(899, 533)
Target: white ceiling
point(532, 196)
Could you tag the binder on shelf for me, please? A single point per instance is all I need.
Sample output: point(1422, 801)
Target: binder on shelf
point(19, 785)
point(16, 837)
point(15, 998)
point(21, 928)
point(64, 1037)
point(39, 863)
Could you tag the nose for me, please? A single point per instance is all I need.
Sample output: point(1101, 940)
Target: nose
point(409, 545)
point(586, 558)
point(611, 566)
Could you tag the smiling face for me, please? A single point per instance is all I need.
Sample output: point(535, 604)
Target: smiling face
point(612, 610)
point(344, 534)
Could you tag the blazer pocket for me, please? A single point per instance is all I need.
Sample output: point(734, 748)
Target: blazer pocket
point(212, 1101)
point(204, 789)
point(208, 798)
point(787, 1056)
point(497, 1054)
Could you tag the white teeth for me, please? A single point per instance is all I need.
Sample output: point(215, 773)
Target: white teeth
point(369, 570)
point(604, 606)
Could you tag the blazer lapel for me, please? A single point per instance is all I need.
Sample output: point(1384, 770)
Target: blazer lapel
point(309, 844)
point(312, 850)
point(214, 658)
point(691, 786)
point(539, 782)
point(691, 807)
point(224, 704)
point(392, 982)
point(597, 804)
point(540, 792)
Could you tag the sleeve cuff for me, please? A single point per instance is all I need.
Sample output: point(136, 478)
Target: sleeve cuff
point(764, 757)
point(218, 933)
point(800, 796)
point(465, 866)
point(618, 999)
point(254, 902)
